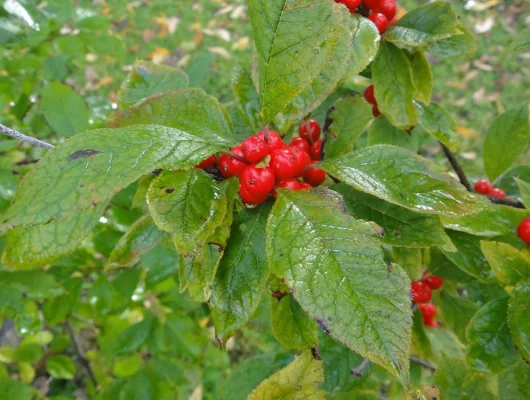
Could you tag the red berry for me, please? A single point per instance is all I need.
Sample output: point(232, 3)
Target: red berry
point(369, 95)
point(421, 293)
point(434, 282)
point(284, 163)
point(255, 149)
point(301, 143)
point(351, 4)
point(230, 166)
point(388, 9)
point(274, 140)
point(380, 21)
point(314, 176)
point(314, 127)
point(392, 22)
point(257, 181)
point(432, 323)
point(496, 192)
point(208, 162)
point(302, 160)
point(483, 186)
point(428, 310)
point(289, 183)
point(316, 150)
point(371, 4)
point(523, 231)
point(305, 186)
point(375, 111)
point(250, 198)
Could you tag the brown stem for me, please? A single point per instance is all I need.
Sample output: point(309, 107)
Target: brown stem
point(266, 133)
point(234, 155)
point(508, 201)
point(327, 124)
point(423, 363)
point(456, 167)
point(308, 130)
point(80, 353)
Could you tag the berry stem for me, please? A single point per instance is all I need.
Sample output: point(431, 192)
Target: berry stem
point(234, 155)
point(327, 124)
point(308, 130)
point(266, 133)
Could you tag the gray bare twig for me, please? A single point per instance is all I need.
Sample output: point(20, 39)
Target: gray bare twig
point(24, 138)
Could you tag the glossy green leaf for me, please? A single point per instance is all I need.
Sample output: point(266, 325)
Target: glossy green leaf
point(490, 346)
point(281, 35)
point(461, 46)
point(349, 118)
point(506, 140)
point(34, 284)
point(394, 86)
point(292, 327)
point(424, 25)
point(92, 166)
point(405, 179)
point(60, 367)
point(457, 312)
point(524, 189)
point(138, 387)
point(147, 79)
point(298, 380)
point(519, 318)
point(437, 122)
point(242, 273)
point(365, 44)
point(12, 389)
point(246, 96)
point(127, 366)
point(510, 265)
point(422, 76)
point(410, 259)
point(402, 227)
point(381, 131)
point(33, 246)
point(328, 260)
point(507, 180)
point(132, 338)
point(64, 109)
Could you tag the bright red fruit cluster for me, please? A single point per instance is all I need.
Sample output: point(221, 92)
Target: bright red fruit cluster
point(381, 12)
point(422, 294)
point(369, 96)
point(264, 162)
point(484, 186)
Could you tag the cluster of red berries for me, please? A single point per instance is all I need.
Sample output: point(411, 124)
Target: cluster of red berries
point(381, 12)
point(264, 162)
point(369, 96)
point(422, 294)
point(484, 186)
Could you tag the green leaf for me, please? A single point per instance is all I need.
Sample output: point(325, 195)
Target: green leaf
point(8, 186)
point(515, 382)
point(490, 346)
point(132, 338)
point(298, 380)
point(394, 86)
point(507, 180)
point(141, 237)
point(92, 166)
point(64, 109)
point(402, 227)
point(127, 366)
point(188, 205)
point(509, 264)
point(521, 42)
point(281, 35)
point(410, 259)
point(365, 44)
point(292, 327)
point(381, 131)
point(242, 273)
point(34, 246)
point(138, 387)
point(34, 284)
point(519, 318)
point(506, 140)
point(147, 79)
point(11, 389)
point(437, 122)
point(60, 367)
point(328, 259)
point(422, 76)
point(11, 302)
point(524, 189)
point(246, 96)
point(461, 46)
point(424, 25)
point(405, 179)
point(350, 117)
point(29, 352)
point(457, 312)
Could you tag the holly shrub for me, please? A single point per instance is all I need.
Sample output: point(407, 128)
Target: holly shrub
point(263, 248)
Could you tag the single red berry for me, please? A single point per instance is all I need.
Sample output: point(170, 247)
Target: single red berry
point(284, 163)
point(523, 231)
point(432, 323)
point(375, 111)
point(289, 183)
point(257, 181)
point(483, 186)
point(250, 198)
point(208, 162)
point(229, 166)
point(316, 150)
point(369, 95)
point(380, 21)
point(255, 149)
point(392, 22)
point(434, 282)
point(428, 310)
point(351, 4)
point(496, 192)
point(314, 127)
point(274, 141)
point(301, 143)
point(314, 176)
point(371, 4)
point(305, 186)
point(387, 8)
point(302, 160)
point(421, 293)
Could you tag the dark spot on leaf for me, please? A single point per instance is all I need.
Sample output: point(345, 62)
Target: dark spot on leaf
point(390, 268)
point(278, 294)
point(298, 387)
point(219, 247)
point(94, 203)
point(316, 356)
point(81, 186)
point(323, 326)
point(281, 254)
point(83, 154)
point(157, 171)
point(170, 190)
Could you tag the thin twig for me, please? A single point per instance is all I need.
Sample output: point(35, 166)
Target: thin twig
point(508, 201)
point(266, 133)
point(24, 138)
point(456, 167)
point(359, 370)
point(325, 130)
point(81, 353)
point(423, 363)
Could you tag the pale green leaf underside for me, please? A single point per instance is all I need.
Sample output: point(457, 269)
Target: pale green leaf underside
point(297, 381)
point(334, 266)
point(438, 123)
point(519, 318)
point(406, 179)
point(292, 327)
point(92, 166)
point(422, 76)
point(509, 264)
